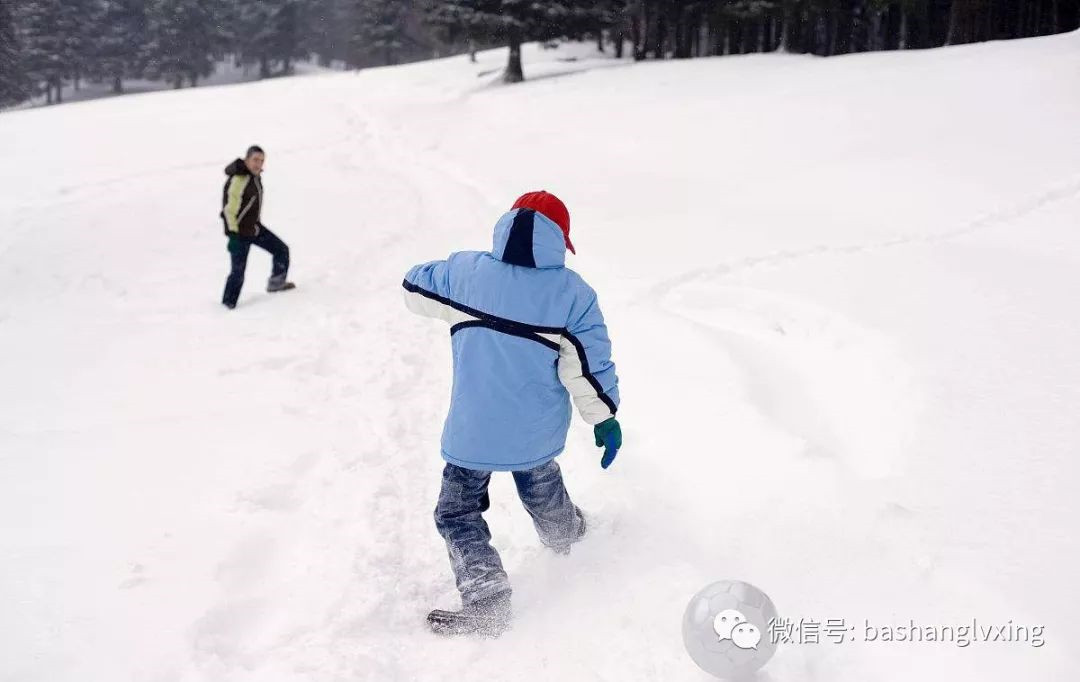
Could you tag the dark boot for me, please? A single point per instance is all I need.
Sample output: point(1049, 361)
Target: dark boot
point(278, 283)
point(487, 617)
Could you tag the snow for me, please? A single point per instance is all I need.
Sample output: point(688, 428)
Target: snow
point(841, 294)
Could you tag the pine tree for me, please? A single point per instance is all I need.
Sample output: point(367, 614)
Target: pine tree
point(43, 45)
point(325, 32)
point(78, 31)
point(286, 37)
point(252, 35)
point(514, 22)
point(378, 29)
point(13, 85)
point(185, 38)
point(269, 33)
point(614, 16)
point(122, 33)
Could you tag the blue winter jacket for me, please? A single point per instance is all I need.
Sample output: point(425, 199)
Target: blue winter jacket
point(527, 336)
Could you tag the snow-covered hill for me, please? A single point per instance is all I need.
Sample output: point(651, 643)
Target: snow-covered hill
point(842, 300)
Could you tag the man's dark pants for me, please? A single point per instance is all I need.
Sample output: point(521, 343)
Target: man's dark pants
point(239, 247)
point(458, 516)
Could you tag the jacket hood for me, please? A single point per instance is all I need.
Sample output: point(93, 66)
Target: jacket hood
point(237, 167)
point(530, 239)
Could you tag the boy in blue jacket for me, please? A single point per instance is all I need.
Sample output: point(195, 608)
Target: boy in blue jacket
point(527, 336)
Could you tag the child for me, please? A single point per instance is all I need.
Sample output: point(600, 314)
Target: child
point(241, 208)
point(526, 331)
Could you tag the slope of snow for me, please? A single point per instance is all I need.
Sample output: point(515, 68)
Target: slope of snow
point(840, 293)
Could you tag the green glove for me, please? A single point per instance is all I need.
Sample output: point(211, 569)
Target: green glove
point(608, 436)
point(234, 244)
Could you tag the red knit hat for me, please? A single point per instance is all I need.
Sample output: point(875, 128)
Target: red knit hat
point(552, 207)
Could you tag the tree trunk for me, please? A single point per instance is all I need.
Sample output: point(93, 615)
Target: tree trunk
point(874, 32)
point(889, 37)
point(954, 22)
point(787, 20)
point(264, 67)
point(841, 32)
point(620, 37)
point(660, 38)
point(514, 73)
point(636, 37)
point(681, 49)
point(194, 78)
point(903, 37)
point(844, 25)
point(600, 39)
point(693, 38)
point(59, 85)
point(178, 81)
point(118, 84)
point(925, 37)
point(832, 28)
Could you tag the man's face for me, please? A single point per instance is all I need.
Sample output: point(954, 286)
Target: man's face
point(255, 162)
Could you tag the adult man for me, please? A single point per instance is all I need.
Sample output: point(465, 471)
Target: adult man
point(528, 336)
point(240, 213)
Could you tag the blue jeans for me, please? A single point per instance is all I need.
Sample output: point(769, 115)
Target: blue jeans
point(458, 516)
point(239, 247)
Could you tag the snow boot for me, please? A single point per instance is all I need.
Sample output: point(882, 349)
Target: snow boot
point(565, 549)
point(274, 287)
point(487, 617)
